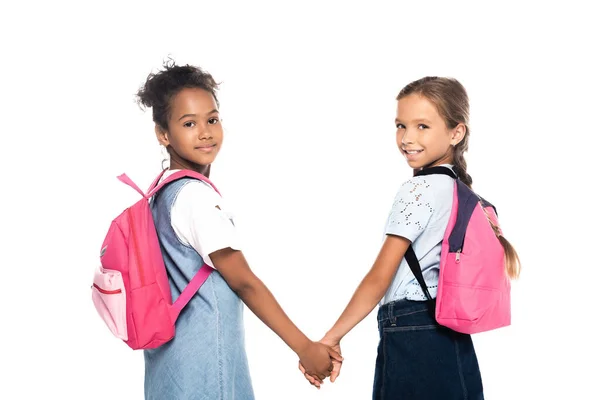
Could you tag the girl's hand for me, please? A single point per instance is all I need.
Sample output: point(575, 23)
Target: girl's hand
point(316, 359)
point(316, 382)
point(337, 364)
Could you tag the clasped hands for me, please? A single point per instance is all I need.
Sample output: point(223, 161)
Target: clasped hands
point(320, 360)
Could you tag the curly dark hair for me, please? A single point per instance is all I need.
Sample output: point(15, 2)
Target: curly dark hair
point(160, 87)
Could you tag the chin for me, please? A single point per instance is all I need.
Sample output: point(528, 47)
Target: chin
point(415, 165)
point(206, 160)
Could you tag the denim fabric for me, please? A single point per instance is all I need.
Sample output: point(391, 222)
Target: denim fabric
point(207, 358)
point(419, 359)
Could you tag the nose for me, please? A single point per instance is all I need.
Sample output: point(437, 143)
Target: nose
point(205, 132)
point(408, 137)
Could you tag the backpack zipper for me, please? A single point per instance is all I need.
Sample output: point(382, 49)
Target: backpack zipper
point(137, 250)
point(103, 291)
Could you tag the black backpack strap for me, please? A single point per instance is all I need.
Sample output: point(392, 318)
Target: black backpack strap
point(415, 267)
point(411, 257)
point(437, 170)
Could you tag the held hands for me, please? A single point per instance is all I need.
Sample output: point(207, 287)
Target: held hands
point(318, 360)
point(336, 363)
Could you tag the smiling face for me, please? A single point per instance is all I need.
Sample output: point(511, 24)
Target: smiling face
point(195, 134)
point(422, 134)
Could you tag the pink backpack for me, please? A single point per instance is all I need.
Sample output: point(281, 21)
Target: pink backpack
point(473, 289)
point(131, 290)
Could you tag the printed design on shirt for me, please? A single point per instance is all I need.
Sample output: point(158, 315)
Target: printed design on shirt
point(401, 210)
point(225, 215)
point(414, 291)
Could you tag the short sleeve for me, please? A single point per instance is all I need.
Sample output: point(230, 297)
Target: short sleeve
point(412, 209)
point(200, 220)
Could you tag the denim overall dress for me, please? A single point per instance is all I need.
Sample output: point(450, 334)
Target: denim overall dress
point(207, 357)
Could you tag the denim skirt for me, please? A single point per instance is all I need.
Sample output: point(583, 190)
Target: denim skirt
point(418, 359)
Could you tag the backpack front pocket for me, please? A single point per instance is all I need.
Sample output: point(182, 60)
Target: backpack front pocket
point(108, 295)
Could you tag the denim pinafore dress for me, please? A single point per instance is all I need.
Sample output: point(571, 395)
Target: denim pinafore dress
point(207, 357)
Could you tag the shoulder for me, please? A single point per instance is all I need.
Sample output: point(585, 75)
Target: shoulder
point(418, 200)
point(425, 186)
point(426, 191)
point(190, 187)
point(197, 187)
point(195, 193)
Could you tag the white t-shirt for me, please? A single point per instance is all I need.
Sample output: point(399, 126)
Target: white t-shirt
point(201, 219)
point(420, 213)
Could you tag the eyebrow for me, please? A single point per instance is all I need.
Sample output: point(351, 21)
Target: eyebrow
point(416, 120)
point(194, 115)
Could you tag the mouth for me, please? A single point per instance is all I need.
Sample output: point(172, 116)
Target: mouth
point(411, 152)
point(206, 148)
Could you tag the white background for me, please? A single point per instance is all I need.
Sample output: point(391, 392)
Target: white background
point(310, 166)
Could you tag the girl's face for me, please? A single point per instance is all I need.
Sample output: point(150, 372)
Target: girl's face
point(422, 135)
point(195, 133)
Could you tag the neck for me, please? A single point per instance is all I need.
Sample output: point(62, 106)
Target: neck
point(447, 158)
point(181, 164)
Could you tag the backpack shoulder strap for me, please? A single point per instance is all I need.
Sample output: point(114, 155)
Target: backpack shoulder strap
point(156, 180)
point(410, 256)
point(415, 267)
point(190, 290)
point(184, 173)
point(439, 171)
point(205, 270)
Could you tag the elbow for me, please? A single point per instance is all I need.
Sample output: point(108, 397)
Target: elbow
point(242, 290)
point(244, 287)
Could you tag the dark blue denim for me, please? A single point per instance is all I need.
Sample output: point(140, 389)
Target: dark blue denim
point(418, 359)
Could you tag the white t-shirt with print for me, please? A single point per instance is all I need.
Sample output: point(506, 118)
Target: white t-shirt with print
point(420, 213)
point(201, 219)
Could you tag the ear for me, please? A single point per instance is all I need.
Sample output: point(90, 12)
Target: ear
point(161, 135)
point(458, 134)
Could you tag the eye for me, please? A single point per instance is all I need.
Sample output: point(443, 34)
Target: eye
point(400, 126)
point(189, 124)
point(213, 121)
point(423, 126)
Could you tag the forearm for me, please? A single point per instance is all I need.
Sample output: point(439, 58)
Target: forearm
point(373, 286)
point(365, 298)
point(263, 304)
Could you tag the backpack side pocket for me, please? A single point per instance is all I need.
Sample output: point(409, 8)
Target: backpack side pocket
point(108, 295)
